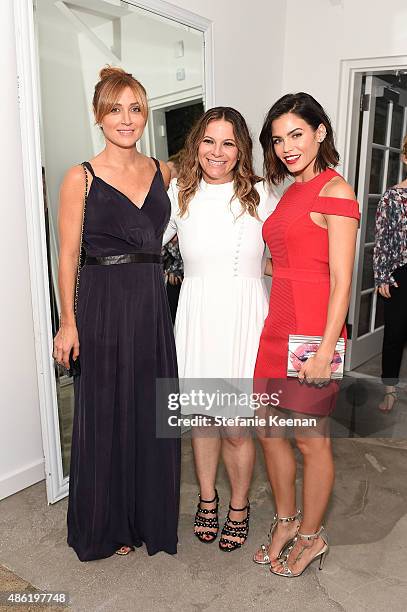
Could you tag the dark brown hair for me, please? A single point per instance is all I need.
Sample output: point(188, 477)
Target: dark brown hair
point(244, 175)
point(306, 107)
point(404, 146)
point(108, 89)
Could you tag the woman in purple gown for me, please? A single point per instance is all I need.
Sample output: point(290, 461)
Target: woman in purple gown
point(124, 477)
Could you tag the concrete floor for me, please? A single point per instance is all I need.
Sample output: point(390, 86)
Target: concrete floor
point(366, 523)
point(365, 569)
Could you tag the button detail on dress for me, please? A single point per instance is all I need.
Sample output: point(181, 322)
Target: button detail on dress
point(239, 235)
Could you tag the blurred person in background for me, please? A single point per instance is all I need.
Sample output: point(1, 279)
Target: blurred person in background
point(390, 273)
point(172, 260)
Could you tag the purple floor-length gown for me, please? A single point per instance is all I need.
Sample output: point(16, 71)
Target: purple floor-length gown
point(124, 480)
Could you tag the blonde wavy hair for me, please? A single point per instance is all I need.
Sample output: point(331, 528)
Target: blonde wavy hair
point(244, 178)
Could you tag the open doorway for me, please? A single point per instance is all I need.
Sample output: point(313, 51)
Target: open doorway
point(170, 125)
point(378, 124)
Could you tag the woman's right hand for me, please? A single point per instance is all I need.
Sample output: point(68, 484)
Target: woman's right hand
point(66, 339)
point(173, 279)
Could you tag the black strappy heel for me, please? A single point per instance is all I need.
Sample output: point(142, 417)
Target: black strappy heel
point(234, 529)
point(205, 521)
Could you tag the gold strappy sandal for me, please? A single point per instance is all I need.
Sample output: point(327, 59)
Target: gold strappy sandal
point(264, 549)
point(321, 554)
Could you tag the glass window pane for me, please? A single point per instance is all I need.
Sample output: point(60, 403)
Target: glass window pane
point(397, 126)
point(379, 318)
point(371, 219)
point(364, 314)
point(380, 121)
point(376, 171)
point(393, 169)
point(367, 276)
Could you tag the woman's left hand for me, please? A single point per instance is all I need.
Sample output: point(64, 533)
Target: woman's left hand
point(316, 371)
point(384, 290)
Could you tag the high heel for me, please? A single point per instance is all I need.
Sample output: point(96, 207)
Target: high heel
point(322, 559)
point(276, 520)
point(234, 529)
point(382, 405)
point(204, 521)
point(287, 572)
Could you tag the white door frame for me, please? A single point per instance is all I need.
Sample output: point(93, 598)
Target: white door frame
point(28, 98)
point(187, 96)
point(351, 74)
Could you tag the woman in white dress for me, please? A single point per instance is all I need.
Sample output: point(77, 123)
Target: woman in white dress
point(218, 208)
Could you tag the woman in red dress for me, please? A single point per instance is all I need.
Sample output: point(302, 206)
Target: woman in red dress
point(311, 237)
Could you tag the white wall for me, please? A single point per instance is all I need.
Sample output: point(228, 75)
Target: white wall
point(21, 455)
point(321, 33)
point(148, 49)
point(66, 129)
point(248, 48)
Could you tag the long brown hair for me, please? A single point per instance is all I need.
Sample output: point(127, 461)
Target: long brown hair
point(244, 178)
point(112, 81)
point(306, 107)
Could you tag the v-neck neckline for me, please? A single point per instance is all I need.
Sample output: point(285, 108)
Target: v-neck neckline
point(139, 207)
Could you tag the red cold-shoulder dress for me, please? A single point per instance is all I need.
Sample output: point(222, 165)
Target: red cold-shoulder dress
point(300, 289)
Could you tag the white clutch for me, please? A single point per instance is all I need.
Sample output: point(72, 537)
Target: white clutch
point(300, 348)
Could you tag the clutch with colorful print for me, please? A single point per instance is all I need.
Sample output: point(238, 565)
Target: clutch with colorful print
point(301, 348)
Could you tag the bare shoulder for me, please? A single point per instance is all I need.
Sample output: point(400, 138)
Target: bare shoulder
point(73, 185)
point(338, 188)
point(166, 172)
point(74, 175)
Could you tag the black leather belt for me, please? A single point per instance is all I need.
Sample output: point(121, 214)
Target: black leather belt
point(127, 258)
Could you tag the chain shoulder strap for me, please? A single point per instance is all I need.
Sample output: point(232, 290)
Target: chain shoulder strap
point(78, 272)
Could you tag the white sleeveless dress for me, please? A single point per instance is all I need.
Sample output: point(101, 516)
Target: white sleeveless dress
point(223, 300)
